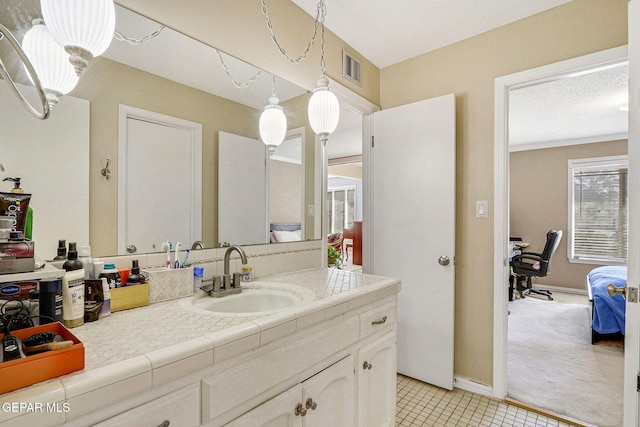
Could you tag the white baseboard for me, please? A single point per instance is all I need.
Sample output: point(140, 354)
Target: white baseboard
point(562, 289)
point(473, 386)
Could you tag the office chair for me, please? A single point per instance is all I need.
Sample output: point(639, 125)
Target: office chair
point(532, 264)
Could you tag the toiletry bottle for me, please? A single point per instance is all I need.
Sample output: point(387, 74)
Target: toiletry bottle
point(84, 256)
point(28, 229)
point(93, 292)
point(112, 274)
point(73, 298)
point(135, 278)
point(198, 273)
point(72, 263)
point(106, 304)
point(62, 251)
point(51, 301)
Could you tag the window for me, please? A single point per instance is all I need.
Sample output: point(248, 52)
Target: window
point(340, 208)
point(598, 210)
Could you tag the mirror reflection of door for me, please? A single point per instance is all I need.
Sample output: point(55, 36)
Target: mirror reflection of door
point(158, 155)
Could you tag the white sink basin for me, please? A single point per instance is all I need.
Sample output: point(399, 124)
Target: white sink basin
point(255, 298)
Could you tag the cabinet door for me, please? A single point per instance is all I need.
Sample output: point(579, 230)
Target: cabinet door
point(277, 412)
point(376, 369)
point(179, 408)
point(328, 396)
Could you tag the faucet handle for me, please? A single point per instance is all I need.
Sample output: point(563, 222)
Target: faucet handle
point(237, 278)
point(217, 280)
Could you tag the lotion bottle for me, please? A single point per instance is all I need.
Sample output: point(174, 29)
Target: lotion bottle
point(73, 298)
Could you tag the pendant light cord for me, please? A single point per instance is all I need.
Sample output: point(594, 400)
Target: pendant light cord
point(319, 21)
point(235, 81)
point(122, 38)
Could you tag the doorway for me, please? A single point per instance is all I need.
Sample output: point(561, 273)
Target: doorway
point(505, 129)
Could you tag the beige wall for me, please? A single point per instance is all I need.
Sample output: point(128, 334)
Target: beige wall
point(539, 202)
point(469, 69)
point(285, 191)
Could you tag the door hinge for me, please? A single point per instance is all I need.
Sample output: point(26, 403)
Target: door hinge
point(638, 383)
point(372, 141)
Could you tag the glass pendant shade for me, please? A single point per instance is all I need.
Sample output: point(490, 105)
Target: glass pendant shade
point(50, 61)
point(324, 109)
point(273, 124)
point(83, 27)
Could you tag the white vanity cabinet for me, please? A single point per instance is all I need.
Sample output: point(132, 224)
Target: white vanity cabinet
point(325, 399)
point(178, 408)
point(376, 371)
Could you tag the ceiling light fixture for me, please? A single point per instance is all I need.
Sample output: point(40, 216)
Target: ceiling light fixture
point(84, 28)
point(324, 108)
point(273, 122)
point(50, 61)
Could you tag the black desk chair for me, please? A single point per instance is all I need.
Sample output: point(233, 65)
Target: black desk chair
point(532, 264)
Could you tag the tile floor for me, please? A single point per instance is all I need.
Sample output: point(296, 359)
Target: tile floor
point(420, 404)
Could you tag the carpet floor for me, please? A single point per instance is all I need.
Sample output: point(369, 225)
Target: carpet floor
point(552, 364)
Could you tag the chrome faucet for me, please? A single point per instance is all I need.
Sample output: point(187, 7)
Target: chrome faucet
point(197, 245)
point(227, 284)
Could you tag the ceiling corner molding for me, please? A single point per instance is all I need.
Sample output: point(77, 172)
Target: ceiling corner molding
point(565, 142)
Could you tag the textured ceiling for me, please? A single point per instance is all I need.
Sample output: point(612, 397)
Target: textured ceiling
point(387, 32)
point(580, 108)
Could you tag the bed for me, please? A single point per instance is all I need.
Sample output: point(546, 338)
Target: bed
point(608, 313)
point(285, 232)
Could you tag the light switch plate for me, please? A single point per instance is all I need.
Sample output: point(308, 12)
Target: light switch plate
point(482, 209)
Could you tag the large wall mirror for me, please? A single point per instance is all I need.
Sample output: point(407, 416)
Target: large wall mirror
point(79, 174)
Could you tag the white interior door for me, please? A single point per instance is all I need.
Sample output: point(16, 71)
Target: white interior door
point(242, 190)
point(159, 181)
point(413, 229)
point(632, 328)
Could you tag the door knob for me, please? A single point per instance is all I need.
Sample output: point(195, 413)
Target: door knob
point(443, 260)
point(310, 404)
point(131, 249)
point(628, 293)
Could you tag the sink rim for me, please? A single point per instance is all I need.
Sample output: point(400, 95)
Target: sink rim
point(301, 294)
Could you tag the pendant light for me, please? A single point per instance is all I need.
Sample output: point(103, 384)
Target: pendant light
point(84, 28)
point(273, 122)
point(324, 108)
point(50, 61)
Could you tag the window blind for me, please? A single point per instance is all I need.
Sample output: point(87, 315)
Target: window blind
point(600, 212)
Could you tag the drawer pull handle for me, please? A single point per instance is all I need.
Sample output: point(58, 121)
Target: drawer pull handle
point(165, 423)
point(310, 404)
point(300, 410)
point(366, 365)
point(379, 322)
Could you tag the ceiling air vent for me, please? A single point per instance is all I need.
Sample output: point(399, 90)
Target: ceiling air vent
point(351, 68)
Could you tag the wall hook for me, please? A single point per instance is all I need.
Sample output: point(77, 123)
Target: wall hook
point(105, 171)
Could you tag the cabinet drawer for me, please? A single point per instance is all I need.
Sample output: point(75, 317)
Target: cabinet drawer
point(377, 319)
point(180, 408)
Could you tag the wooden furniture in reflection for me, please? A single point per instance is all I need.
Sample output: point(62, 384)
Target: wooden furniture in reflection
point(355, 234)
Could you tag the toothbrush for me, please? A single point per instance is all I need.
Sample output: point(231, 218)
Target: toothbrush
point(166, 246)
point(177, 257)
point(186, 257)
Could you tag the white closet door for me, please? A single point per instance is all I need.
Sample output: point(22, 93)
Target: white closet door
point(413, 229)
point(242, 190)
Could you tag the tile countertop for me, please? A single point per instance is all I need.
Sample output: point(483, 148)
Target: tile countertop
point(136, 332)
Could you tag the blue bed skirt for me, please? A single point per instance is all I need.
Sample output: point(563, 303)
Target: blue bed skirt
point(608, 312)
